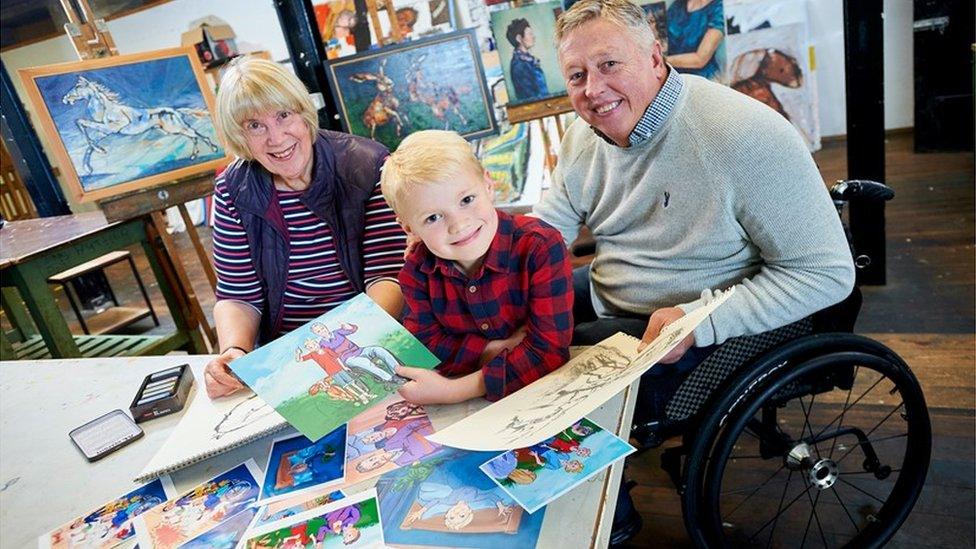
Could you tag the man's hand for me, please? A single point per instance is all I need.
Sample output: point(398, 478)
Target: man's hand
point(659, 319)
point(218, 377)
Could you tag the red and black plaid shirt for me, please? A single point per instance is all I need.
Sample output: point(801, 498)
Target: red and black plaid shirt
point(526, 279)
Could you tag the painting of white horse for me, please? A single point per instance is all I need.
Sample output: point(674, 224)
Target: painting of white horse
point(128, 125)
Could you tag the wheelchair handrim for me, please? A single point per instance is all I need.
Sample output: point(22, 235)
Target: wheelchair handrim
point(907, 486)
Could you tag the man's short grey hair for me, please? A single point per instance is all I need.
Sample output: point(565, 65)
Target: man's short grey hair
point(622, 12)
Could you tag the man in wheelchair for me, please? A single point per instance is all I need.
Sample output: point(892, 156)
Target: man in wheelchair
point(689, 187)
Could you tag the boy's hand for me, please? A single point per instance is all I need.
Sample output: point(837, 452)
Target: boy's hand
point(425, 386)
point(496, 346)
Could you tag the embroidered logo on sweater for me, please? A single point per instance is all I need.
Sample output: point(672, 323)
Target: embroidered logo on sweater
point(667, 198)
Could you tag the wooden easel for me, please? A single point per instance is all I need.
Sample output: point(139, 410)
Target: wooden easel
point(372, 7)
point(88, 35)
point(538, 111)
point(92, 40)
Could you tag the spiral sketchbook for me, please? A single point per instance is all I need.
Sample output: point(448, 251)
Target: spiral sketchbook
point(210, 427)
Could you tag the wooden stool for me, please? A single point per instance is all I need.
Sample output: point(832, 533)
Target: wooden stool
point(113, 318)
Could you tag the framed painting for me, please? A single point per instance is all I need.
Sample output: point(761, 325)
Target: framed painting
point(433, 83)
point(129, 122)
point(528, 53)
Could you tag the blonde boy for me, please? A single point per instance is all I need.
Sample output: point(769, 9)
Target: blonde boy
point(489, 293)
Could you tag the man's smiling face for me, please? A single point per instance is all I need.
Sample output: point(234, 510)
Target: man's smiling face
point(610, 76)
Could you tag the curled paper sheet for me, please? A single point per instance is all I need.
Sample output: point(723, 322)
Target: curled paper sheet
point(554, 402)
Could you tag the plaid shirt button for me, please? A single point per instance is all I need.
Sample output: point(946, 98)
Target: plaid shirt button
point(484, 326)
point(472, 289)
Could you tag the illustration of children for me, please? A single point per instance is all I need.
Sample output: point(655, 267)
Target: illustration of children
point(458, 505)
point(334, 370)
point(403, 446)
point(573, 466)
point(326, 386)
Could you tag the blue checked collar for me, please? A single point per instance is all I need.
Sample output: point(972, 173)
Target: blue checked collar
point(657, 112)
point(659, 109)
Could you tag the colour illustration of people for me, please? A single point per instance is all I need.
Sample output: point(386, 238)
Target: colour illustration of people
point(457, 505)
point(345, 523)
point(110, 522)
point(562, 451)
point(344, 364)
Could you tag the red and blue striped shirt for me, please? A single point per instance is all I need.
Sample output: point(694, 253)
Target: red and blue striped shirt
point(316, 283)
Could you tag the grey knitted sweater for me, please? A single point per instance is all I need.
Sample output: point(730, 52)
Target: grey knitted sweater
point(723, 194)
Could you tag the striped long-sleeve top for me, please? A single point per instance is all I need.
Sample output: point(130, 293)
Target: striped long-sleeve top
point(316, 283)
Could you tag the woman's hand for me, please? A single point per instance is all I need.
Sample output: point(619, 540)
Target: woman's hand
point(220, 381)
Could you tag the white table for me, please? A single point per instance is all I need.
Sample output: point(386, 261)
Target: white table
point(45, 481)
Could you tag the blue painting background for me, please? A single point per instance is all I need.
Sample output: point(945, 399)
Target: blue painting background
point(167, 82)
point(323, 466)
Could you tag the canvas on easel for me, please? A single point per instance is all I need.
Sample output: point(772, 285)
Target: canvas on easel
point(127, 122)
point(523, 35)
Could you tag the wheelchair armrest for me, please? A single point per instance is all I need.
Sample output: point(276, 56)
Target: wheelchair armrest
point(848, 190)
point(839, 317)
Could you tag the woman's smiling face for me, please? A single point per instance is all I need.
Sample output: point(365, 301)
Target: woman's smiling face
point(280, 141)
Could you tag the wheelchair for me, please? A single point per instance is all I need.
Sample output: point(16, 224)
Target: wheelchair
point(808, 435)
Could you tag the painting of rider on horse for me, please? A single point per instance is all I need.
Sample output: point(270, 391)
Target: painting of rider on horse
point(127, 122)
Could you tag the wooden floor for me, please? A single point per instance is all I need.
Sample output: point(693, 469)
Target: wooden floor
point(926, 313)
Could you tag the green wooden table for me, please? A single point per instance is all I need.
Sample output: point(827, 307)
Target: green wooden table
point(34, 249)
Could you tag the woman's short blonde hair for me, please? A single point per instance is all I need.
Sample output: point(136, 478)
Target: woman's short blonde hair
point(253, 86)
point(621, 12)
point(428, 156)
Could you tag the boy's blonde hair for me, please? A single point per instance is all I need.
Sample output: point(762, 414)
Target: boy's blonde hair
point(253, 86)
point(428, 156)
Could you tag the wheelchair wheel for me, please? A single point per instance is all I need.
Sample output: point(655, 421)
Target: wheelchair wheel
point(830, 450)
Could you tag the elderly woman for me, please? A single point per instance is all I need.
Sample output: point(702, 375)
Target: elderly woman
point(300, 222)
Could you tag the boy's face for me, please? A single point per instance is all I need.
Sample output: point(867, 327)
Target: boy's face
point(456, 219)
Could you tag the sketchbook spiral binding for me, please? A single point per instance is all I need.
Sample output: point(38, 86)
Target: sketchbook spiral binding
point(212, 427)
